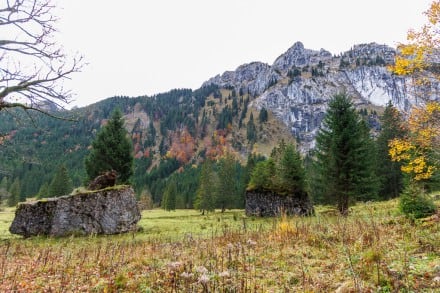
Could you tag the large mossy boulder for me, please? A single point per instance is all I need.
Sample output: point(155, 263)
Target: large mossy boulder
point(107, 211)
point(264, 203)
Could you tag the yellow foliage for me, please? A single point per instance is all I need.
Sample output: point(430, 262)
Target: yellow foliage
point(424, 122)
point(400, 149)
point(415, 149)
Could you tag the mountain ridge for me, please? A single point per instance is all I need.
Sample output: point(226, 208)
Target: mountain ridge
point(226, 112)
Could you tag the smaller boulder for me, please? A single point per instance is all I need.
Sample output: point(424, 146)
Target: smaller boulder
point(106, 179)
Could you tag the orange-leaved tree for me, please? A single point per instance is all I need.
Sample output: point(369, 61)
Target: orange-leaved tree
point(420, 149)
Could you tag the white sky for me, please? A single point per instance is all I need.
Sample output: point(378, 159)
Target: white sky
point(138, 47)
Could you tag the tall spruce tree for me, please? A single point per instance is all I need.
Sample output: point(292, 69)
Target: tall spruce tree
point(111, 150)
point(251, 130)
point(388, 171)
point(170, 195)
point(227, 187)
point(291, 173)
point(206, 192)
point(61, 183)
point(343, 170)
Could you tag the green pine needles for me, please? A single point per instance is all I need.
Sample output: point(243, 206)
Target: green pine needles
point(111, 150)
point(344, 157)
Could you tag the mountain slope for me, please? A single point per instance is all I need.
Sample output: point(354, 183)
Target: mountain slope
point(187, 125)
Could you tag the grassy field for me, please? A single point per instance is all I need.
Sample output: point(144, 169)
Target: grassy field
point(373, 250)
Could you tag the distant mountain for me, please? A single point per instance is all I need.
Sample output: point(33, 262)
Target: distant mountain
point(298, 85)
point(246, 110)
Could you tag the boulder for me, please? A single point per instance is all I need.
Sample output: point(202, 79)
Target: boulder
point(263, 203)
point(107, 211)
point(104, 180)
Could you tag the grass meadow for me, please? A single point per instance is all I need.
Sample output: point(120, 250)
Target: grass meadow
point(374, 249)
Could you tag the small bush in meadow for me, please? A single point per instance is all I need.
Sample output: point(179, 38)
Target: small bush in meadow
point(415, 204)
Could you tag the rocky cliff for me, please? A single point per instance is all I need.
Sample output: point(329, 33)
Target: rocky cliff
point(106, 211)
point(298, 85)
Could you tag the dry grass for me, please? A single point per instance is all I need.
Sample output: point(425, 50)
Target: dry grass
point(374, 249)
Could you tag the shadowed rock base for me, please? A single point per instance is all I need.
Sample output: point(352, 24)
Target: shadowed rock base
point(109, 211)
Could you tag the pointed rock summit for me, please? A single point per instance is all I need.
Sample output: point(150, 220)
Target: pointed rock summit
point(298, 56)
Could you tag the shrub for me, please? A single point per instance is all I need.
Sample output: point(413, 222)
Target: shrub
point(415, 204)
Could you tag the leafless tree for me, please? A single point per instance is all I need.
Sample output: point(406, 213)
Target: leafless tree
point(32, 65)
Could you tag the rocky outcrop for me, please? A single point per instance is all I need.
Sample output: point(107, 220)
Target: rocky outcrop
point(270, 204)
point(107, 211)
point(253, 78)
point(298, 56)
point(296, 88)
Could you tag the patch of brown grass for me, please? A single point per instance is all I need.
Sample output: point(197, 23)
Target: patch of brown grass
point(373, 249)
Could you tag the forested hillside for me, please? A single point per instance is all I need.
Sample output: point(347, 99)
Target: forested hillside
point(170, 131)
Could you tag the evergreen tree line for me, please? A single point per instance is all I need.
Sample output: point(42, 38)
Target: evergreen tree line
point(347, 164)
point(214, 184)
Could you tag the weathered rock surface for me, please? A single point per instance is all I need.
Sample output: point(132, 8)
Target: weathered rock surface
point(269, 204)
point(108, 211)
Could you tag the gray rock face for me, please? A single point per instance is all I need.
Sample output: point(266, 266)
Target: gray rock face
point(270, 204)
point(298, 56)
point(299, 84)
point(109, 211)
point(254, 78)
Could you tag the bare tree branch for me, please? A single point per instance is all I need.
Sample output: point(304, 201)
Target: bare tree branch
point(32, 66)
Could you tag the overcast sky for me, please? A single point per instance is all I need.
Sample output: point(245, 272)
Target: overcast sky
point(138, 47)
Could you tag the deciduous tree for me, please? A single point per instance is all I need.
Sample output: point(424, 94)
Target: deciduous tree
point(419, 151)
point(388, 171)
point(33, 65)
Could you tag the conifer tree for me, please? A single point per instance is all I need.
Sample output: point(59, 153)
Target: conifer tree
point(341, 155)
point(251, 131)
point(61, 183)
point(388, 171)
point(44, 190)
point(291, 174)
point(14, 193)
point(227, 174)
point(263, 116)
point(4, 189)
point(206, 192)
point(169, 195)
point(111, 150)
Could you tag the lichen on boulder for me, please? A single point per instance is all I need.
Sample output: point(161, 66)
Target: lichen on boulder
point(107, 211)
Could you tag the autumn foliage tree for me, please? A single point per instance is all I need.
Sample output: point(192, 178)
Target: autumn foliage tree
point(389, 171)
point(182, 146)
point(419, 151)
